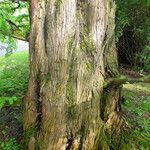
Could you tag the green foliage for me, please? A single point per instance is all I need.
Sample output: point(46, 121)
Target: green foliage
point(8, 100)
point(11, 144)
point(144, 57)
point(14, 78)
point(14, 24)
point(133, 31)
point(122, 22)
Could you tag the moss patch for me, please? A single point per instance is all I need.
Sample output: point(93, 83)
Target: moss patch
point(57, 7)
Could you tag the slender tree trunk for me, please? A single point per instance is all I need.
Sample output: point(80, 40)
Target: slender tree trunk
point(72, 55)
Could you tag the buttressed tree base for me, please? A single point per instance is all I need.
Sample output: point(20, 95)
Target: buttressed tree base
point(72, 56)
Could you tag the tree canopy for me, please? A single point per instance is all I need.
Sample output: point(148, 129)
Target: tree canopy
point(14, 22)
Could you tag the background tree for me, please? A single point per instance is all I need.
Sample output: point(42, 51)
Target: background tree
point(72, 56)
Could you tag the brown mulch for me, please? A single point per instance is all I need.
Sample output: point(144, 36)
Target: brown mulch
point(130, 72)
point(10, 123)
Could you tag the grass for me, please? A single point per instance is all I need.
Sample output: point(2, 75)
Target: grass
point(14, 78)
point(137, 113)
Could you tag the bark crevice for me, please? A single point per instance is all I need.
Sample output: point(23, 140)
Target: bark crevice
point(69, 143)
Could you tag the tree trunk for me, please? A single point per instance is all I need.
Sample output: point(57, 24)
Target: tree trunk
point(72, 55)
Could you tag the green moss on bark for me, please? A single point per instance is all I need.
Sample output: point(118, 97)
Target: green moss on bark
point(70, 83)
point(27, 135)
point(57, 7)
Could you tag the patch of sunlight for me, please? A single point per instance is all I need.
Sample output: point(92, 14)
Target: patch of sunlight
point(13, 60)
point(138, 88)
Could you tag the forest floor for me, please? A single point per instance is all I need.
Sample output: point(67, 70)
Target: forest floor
point(136, 109)
point(136, 103)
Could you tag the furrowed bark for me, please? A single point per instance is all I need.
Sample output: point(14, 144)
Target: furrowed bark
point(72, 53)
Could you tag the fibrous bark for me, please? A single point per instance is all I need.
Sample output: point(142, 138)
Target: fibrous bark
point(72, 53)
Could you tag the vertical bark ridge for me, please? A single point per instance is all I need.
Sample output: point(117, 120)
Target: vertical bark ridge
point(32, 109)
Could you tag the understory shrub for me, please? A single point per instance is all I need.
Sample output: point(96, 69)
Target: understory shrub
point(13, 78)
